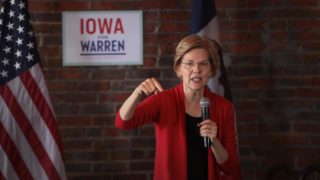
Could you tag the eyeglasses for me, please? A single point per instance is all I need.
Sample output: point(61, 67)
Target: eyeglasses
point(202, 65)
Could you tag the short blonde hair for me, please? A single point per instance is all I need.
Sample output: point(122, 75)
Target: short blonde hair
point(193, 42)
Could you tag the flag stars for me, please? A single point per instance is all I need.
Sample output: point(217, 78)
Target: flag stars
point(8, 38)
point(30, 57)
point(31, 33)
point(10, 25)
point(5, 62)
point(30, 45)
point(19, 41)
point(17, 65)
point(22, 5)
point(20, 29)
point(21, 17)
point(7, 50)
point(12, 2)
point(11, 13)
point(18, 53)
point(4, 73)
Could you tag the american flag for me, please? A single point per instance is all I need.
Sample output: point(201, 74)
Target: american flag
point(204, 22)
point(30, 146)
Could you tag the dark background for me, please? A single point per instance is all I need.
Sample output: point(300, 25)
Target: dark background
point(271, 49)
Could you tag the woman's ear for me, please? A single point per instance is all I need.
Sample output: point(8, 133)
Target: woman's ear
point(178, 73)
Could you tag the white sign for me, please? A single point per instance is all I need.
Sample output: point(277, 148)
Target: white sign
point(102, 38)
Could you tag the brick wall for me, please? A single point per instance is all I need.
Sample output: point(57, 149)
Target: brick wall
point(271, 48)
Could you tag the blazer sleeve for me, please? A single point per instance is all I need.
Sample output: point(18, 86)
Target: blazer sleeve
point(145, 112)
point(231, 167)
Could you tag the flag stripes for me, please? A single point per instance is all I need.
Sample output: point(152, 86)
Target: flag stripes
point(38, 77)
point(41, 104)
point(15, 158)
point(1, 175)
point(26, 127)
point(44, 126)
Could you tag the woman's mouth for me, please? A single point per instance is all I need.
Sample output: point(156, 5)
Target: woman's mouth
point(196, 79)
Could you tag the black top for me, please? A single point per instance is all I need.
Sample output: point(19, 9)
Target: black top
point(197, 154)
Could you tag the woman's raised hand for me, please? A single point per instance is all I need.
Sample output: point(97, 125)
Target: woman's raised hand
point(148, 87)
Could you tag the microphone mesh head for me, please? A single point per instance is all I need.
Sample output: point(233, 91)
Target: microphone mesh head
point(204, 102)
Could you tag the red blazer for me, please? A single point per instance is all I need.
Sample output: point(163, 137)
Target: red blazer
point(167, 111)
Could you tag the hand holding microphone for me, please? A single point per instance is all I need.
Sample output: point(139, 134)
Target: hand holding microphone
point(208, 128)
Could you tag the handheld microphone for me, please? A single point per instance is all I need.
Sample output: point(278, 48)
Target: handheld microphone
point(204, 104)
